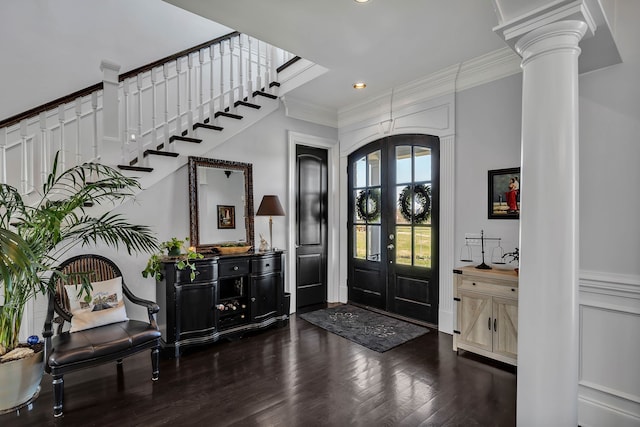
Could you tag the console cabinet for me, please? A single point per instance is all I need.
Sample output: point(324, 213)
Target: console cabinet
point(486, 313)
point(229, 296)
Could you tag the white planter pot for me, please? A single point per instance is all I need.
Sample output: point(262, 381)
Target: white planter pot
point(20, 381)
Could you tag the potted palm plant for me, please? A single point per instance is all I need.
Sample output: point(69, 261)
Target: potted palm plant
point(36, 237)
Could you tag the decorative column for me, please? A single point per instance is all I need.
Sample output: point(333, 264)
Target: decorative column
point(548, 296)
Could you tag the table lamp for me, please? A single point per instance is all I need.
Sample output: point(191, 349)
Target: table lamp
point(270, 206)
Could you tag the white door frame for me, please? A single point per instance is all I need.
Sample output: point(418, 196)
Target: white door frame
point(333, 230)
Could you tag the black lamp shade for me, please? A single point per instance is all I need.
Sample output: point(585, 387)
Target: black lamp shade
point(270, 206)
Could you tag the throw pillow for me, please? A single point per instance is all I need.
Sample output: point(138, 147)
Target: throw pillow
point(105, 306)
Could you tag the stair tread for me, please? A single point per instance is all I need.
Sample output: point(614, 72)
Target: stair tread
point(185, 139)
point(265, 94)
point(135, 168)
point(230, 115)
point(207, 126)
point(247, 104)
point(160, 153)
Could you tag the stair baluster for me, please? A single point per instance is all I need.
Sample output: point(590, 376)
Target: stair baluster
point(154, 109)
point(221, 104)
point(125, 125)
point(78, 111)
point(201, 88)
point(211, 88)
point(189, 92)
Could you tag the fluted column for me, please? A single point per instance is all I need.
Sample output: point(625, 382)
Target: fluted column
point(548, 308)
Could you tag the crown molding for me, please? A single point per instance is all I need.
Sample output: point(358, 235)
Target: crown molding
point(302, 110)
point(474, 72)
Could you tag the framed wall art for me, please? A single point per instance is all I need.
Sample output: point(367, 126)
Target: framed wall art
point(226, 216)
point(504, 193)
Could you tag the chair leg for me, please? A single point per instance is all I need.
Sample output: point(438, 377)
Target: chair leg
point(58, 395)
point(155, 363)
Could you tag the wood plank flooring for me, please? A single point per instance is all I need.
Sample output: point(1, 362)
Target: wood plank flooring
point(297, 375)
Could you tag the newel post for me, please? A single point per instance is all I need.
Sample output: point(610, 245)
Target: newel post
point(110, 113)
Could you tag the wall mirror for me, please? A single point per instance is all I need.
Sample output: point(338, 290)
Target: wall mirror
point(220, 202)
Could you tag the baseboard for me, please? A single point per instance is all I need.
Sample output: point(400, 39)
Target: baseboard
point(593, 414)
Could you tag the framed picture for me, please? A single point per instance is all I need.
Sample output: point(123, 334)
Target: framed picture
point(226, 216)
point(504, 194)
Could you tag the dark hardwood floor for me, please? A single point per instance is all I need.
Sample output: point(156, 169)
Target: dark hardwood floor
point(297, 375)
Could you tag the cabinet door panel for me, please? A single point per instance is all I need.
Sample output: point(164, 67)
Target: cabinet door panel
point(196, 310)
point(475, 320)
point(264, 296)
point(505, 340)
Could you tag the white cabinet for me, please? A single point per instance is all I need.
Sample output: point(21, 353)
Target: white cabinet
point(487, 313)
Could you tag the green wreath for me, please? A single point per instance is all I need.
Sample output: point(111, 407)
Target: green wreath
point(368, 204)
point(422, 194)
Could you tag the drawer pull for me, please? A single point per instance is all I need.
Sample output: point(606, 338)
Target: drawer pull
point(267, 265)
point(474, 283)
point(235, 268)
point(513, 289)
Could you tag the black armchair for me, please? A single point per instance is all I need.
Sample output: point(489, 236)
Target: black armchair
point(66, 352)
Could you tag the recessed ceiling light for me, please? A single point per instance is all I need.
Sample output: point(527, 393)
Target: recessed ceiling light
point(361, 1)
point(359, 85)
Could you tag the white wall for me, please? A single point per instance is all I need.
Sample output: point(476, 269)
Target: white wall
point(39, 34)
point(609, 382)
point(487, 138)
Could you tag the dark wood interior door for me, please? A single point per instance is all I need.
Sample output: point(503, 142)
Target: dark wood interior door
point(311, 232)
point(393, 226)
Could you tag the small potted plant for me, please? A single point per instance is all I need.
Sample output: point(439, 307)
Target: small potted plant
point(174, 249)
point(515, 257)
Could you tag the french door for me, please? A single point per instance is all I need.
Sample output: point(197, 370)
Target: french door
point(393, 226)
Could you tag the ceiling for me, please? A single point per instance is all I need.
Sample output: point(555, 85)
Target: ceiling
point(383, 42)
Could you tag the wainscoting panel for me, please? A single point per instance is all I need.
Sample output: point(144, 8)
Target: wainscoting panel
point(609, 382)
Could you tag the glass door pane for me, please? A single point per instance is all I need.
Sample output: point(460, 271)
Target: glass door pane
point(367, 207)
point(413, 205)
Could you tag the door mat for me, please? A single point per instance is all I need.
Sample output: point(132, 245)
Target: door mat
point(367, 328)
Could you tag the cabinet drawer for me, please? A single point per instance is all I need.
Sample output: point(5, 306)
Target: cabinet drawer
point(489, 288)
point(237, 267)
point(265, 265)
point(206, 272)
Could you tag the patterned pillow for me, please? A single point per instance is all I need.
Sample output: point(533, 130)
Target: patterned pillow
point(104, 307)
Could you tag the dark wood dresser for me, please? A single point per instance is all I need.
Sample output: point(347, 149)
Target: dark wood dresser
point(229, 296)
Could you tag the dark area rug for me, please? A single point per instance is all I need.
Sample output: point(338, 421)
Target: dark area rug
point(367, 328)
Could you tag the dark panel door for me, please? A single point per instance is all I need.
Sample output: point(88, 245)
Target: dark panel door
point(367, 258)
point(412, 216)
point(393, 218)
point(311, 220)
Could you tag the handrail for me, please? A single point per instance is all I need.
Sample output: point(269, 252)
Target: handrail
point(175, 56)
point(49, 105)
point(98, 86)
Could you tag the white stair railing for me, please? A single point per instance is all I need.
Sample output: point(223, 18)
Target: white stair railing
point(120, 119)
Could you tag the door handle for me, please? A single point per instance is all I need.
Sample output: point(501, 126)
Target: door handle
point(489, 322)
point(494, 325)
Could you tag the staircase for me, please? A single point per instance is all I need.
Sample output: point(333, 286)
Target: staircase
point(147, 121)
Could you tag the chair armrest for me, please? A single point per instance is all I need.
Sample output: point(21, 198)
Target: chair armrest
point(152, 307)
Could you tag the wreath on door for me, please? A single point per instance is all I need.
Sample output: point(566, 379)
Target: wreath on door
point(422, 196)
point(368, 204)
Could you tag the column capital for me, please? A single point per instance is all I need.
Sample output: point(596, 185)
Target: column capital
point(562, 35)
point(518, 27)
